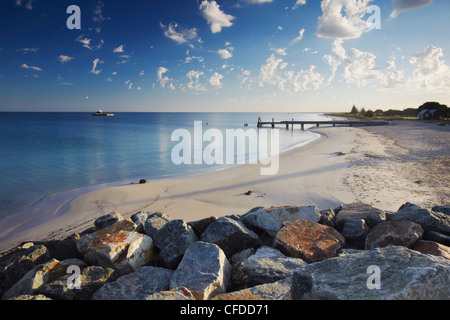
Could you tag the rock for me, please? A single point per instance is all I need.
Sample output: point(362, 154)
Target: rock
point(29, 297)
point(34, 280)
point(63, 249)
point(404, 275)
point(268, 265)
point(139, 219)
point(372, 216)
point(15, 263)
point(231, 236)
point(173, 239)
point(355, 230)
point(437, 237)
point(137, 285)
point(271, 220)
point(241, 256)
point(280, 290)
point(178, 294)
point(154, 223)
point(327, 217)
point(399, 233)
point(204, 270)
point(442, 209)
point(116, 248)
point(142, 181)
point(201, 225)
point(308, 241)
point(429, 220)
point(433, 248)
point(91, 279)
point(107, 220)
point(302, 286)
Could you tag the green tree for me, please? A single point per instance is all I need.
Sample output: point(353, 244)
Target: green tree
point(354, 110)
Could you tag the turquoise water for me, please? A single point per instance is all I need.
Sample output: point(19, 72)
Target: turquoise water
point(45, 153)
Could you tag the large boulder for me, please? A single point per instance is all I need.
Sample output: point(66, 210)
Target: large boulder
point(308, 241)
point(372, 216)
point(429, 220)
point(402, 274)
point(279, 290)
point(91, 279)
point(271, 220)
point(433, 248)
point(231, 236)
point(173, 239)
point(204, 270)
point(117, 248)
point(137, 285)
point(400, 233)
point(267, 265)
point(177, 294)
point(442, 209)
point(154, 222)
point(355, 230)
point(15, 263)
point(107, 220)
point(38, 277)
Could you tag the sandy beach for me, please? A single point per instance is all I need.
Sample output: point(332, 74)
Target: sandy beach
point(382, 166)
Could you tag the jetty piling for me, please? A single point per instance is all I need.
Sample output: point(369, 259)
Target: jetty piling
point(333, 123)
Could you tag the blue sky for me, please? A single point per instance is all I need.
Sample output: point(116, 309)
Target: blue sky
point(239, 55)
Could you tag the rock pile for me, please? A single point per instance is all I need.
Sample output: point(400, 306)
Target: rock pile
point(352, 252)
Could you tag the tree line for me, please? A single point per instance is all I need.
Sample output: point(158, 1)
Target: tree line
point(442, 111)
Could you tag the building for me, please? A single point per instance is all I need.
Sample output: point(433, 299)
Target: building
point(427, 114)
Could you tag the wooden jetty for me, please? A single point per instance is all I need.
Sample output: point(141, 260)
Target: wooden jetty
point(333, 123)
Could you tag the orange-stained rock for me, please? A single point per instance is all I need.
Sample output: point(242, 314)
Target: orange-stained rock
point(308, 241)
point(433, 248)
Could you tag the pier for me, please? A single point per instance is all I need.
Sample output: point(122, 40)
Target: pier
point(333, 123)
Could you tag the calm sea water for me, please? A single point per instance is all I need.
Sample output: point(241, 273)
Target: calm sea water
point(45, 153)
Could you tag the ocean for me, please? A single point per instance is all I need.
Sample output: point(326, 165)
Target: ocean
point(45, 153)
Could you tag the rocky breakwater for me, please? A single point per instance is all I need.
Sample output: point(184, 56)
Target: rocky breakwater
point(352, 252)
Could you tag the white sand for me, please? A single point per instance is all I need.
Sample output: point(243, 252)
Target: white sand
point(372, 170)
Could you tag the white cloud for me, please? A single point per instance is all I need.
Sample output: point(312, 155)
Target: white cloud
point(431, 72)
point(164, 80)
point(299, 3)
point(85, 41)
point(142, 73)
point(300, 36)
point(182, 36)
point(119, 49)
point(25, 66)
point(28, 5)
point(194, 83)
point(224, 54)
point(214, 16)
point(64, 59)
point(94, 66)
point(98, 13)
point(404, 5)
point(215, 80)
point(334, 24)
point(28, 50)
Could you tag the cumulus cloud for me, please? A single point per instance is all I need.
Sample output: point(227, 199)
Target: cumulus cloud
point(64, 59)
point(431, 72)
point(194, 83)
point(224, 53)
point(164, 80)
point(215, 80)
point(404, 5)
point(215, 16)
point(275, 72)
point(298, 3)
point(179, 36)
point(333, 24)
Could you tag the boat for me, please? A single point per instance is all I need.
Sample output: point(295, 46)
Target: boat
point(100, 113)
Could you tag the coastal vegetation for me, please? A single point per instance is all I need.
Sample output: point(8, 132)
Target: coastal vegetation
point(442, 112)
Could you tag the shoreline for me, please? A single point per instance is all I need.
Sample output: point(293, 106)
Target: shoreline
point(343, 166)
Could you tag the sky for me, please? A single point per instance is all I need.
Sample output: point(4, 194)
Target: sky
point(223, 55)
